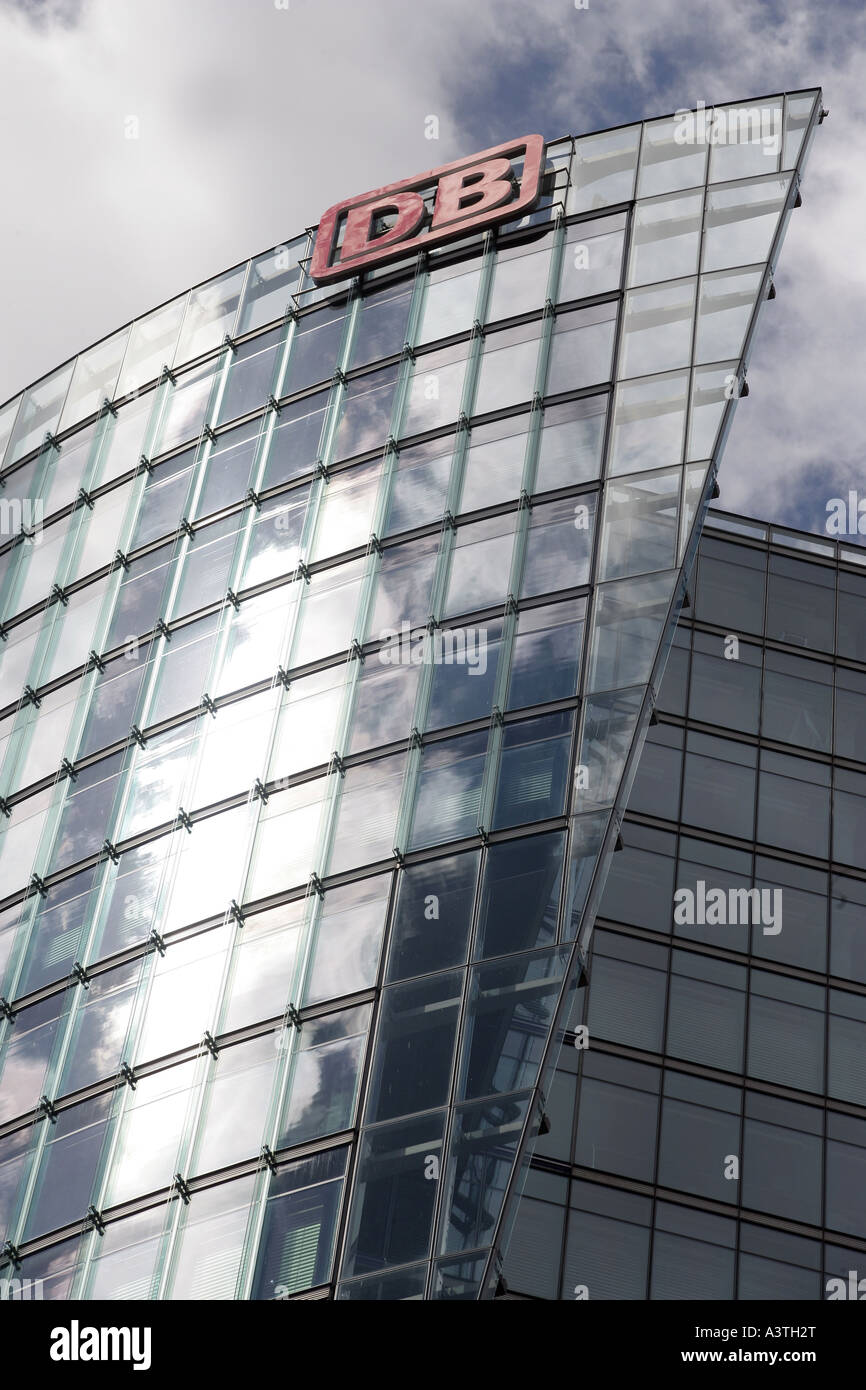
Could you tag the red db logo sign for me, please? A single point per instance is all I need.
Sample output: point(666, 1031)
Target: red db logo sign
point(467, 194)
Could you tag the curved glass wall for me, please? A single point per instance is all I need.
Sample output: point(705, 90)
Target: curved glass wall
point(331, 628)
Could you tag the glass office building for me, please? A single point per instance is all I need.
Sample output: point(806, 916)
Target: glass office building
point(739, 1035)
point(333, 624)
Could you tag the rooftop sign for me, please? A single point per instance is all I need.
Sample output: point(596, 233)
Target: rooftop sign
point(468, 194)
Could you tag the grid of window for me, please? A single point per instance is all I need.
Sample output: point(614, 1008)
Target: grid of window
point(712, 1035)
point(327, 648)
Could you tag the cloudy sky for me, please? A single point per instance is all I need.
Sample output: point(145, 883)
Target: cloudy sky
point(255, 115)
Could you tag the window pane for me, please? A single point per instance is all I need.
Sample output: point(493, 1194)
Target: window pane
point(665, 238)
point(415, 1044)
point(592, 258)
point(325, 1072)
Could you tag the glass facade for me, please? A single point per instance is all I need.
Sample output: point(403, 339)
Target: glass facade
point(331, 628)
point(707, 1124)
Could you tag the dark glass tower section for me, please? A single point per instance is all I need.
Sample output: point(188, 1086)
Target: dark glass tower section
point(716, 1033)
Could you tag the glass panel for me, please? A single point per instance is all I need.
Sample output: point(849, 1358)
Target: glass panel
point(712, 388)
point(273, 279)
point(435, 390)
point(186, 408)
point(657, 328)
point(731, 586)
point(533, 770)
point(665, 238)
point(151, 346)
point(509, 1010)
point(415, 1043)
point(26, 1055)
point(346, 510)
point(673, 156)
point(581, 348)
point(639, 530)
point(440, 892)
point(228, 469)
point(727, 301)
point(94, 379)
point(145, 1157)
point(210, 314)
point(125, 439)
point(385, 698)
point(391, 1220)
point(254, 642)
point(307, 728)
point(520, 278)
point(648, 423)
point(327, 619)
point(493, 469)
point(726, 683)
point(719, 787)
point(294, 446)
point(850, 727)
point(546, 653)
point(797, 699)
point(419, 486)
point(315, 348)
point(741, 220)
point(263, 969)
point(745, 140)
point(592, 258)
point(628, 624)
point(251, 377)
point(232, 1126)
point(125, 1263)
point(284, 854)
point(449, 301)
point(481, 564)
point(297, 1243)
point(207, 567)
point(183, 994)
point(706, 1011)
point(211, 1242)
point(520, 896)
point(38, 413)
point(325, 1073)
point(465, 662)
point(348, 939)
point(507, 368)
point(797, 113)
point(274, 546)
point(95, 1049)
point(365, 413)
point(483, 1152)
point(603, 169)
point(232, 749)
point(367, 824)
point(449, 790)
point(786, 1031)
point(572, 436)
point(801, 603)
point(382, 323)
point(67, 1167)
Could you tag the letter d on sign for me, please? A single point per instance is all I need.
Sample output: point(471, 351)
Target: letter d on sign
point(409, 208)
